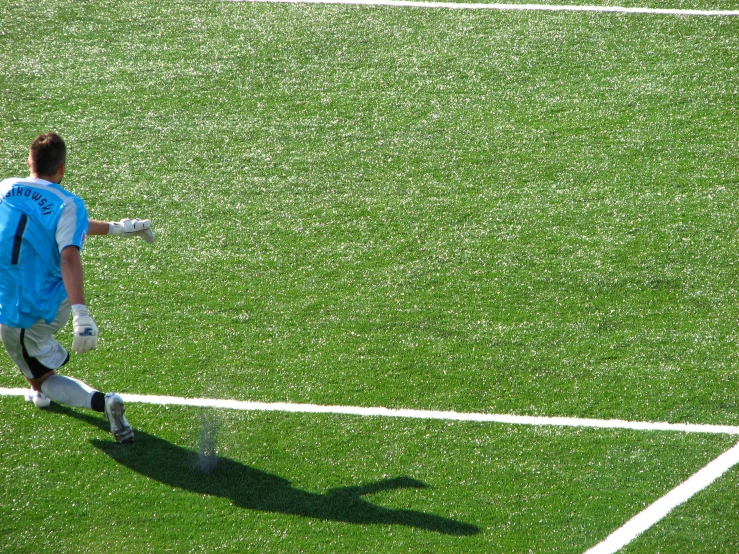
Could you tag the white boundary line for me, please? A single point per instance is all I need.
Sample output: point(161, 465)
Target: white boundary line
point(613, 543)
point(418, 414)
point(517, 7)
point(659, 509)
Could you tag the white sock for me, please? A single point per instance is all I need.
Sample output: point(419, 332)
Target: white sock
point(69, 391)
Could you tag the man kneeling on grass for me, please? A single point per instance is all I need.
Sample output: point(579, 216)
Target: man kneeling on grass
point(42, 231)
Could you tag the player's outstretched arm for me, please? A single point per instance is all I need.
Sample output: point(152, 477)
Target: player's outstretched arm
point(123, 228)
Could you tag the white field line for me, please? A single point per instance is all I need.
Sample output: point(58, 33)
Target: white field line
point(418, 414)
point(659, 509)
point(518, 7)
point(613, 543)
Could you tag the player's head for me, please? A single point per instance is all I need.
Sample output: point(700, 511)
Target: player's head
point(48, 155)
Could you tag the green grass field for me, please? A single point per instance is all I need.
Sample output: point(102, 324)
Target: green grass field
point(521, 213)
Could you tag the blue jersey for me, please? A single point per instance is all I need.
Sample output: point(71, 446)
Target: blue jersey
point(38, 219)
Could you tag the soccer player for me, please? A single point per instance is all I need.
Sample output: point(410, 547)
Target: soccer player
point(42, 231)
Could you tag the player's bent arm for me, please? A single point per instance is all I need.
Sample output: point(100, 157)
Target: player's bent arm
point(72, 275)
point(85, 332)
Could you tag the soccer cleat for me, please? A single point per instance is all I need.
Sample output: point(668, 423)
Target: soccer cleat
point(40, 400)
point(114, 411)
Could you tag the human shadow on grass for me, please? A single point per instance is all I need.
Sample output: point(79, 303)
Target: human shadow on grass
point(255, 489)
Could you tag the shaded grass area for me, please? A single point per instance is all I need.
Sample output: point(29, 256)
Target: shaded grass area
point(326, 483)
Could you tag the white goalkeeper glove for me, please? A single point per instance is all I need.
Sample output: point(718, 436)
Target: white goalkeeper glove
point(132, 228)
point(85, 330)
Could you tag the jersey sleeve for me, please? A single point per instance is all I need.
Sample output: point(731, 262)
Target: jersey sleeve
point(72, 226)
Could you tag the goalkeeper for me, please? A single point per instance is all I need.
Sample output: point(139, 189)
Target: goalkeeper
point(42, 231)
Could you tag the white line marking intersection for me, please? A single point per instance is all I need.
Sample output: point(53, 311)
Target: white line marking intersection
point(614, 542)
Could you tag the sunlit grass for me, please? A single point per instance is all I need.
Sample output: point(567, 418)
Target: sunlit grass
point(497, 212)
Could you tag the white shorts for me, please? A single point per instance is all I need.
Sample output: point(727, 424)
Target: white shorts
point(35, 350)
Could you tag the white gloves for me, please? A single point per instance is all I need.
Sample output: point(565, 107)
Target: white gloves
point(132, 228)
point(85, 330)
